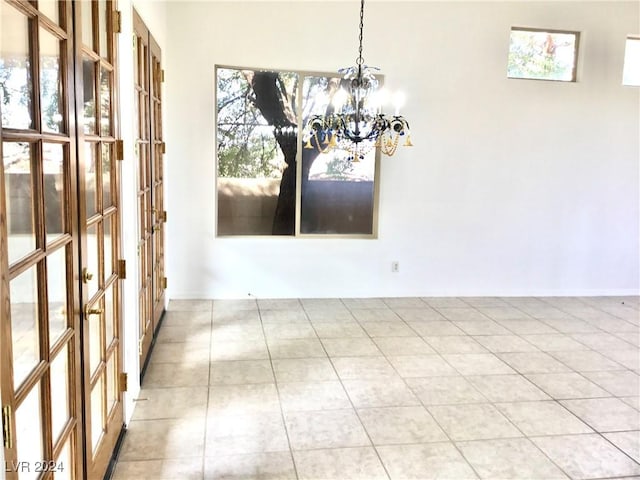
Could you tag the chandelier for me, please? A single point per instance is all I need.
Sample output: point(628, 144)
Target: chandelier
point(357, 124)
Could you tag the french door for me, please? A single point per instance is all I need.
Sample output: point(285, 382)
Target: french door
point(99, 231)
point(60, 355)
point(157, 176)
point(40, 309)
point(149, 150)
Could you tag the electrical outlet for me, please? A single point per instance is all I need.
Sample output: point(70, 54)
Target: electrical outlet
point(395, 266)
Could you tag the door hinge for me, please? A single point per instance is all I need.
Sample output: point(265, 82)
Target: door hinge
point(162, 75)
point(119, 147)
point(6, 427)
point(163, 146)
point(122, 269)
point(164, 283)
point(140, 347)
point(87, 276)
point(124, 380)
point(117, 21)
point(163, 217)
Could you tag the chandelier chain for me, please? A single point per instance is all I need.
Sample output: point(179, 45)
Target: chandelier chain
point(360, 60)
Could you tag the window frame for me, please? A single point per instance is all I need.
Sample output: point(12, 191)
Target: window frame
point(576, 52)
point(298, 200)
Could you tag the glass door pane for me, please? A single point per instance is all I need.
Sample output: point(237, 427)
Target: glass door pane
point(60, 393)
point(18, 178)
point(95, 340)
point(107, 174)
point(108, 247)
point(58, 275)
point(92, 253)
point(51, 9)
point(89, 95)
point(110, 318)
point(16, 83)
point(51, 94)
point(105, 102)
point(55, 181)
point(25, 329)
point(64, 464)
point(87, 23)
point(111, 384)
point(97, 418)
point(90, 178)
point(103, 17)
point(29, 433)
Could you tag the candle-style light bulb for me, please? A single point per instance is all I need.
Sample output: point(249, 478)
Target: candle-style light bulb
point(381, 98)
point(339, 99)
point(398, 101)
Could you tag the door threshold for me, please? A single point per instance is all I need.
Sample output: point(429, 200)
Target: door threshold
point(116, 453)
point(143, 370)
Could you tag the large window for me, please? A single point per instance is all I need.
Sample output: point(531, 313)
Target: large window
point(260, 190)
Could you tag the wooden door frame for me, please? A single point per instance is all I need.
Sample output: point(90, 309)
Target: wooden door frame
point(145, 323)
point(6, 381)
point(73, 201)
point(67, 139)
point(151, 285)
point(102, 460)
point(157, 156)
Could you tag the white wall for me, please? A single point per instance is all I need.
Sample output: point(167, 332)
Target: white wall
point(513, 187)
point(153, 14)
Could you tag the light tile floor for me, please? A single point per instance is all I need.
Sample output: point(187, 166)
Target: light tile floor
point(400, 388)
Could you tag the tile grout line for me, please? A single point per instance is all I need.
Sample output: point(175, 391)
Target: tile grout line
point(364, 428)
point(206, 418)
point(275, 382)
